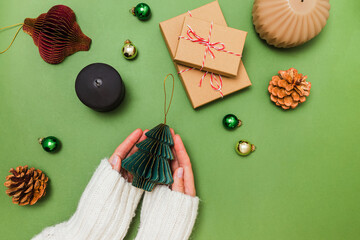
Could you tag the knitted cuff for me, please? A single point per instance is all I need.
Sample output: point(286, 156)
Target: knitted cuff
point(105, 209)
point(166, 214)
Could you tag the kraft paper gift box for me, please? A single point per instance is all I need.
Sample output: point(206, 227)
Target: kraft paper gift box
point(210, 47)
point(200, 96)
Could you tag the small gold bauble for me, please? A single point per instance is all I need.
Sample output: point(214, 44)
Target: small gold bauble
point(244, 147)
point(129, 50)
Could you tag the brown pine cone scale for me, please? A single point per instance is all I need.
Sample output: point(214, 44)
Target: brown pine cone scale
point(289, 88)
point(26, 185)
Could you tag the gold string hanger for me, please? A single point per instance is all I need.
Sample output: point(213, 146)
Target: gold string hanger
point(166, 111)
point(17, 32)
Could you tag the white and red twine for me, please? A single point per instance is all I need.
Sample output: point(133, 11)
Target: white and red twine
point(216, 83)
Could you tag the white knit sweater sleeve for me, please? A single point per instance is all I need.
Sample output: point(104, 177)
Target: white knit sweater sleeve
point(105, 210)
point(166, 215)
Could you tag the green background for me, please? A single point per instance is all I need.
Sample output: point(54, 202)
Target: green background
point(303, 181)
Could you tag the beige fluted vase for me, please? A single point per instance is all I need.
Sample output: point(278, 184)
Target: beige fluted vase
point(289, 23)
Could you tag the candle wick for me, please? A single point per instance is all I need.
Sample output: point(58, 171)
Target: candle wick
point(98, 82)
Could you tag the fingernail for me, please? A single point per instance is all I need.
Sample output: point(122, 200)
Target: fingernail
point(114, 160)
point(180, 172)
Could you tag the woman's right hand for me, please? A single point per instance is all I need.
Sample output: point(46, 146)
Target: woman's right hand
point(126, 149)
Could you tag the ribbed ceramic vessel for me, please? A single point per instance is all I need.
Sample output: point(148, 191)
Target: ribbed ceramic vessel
point(289, 23)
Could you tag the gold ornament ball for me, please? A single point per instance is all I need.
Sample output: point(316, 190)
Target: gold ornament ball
point(244, 147)
point(129, 50)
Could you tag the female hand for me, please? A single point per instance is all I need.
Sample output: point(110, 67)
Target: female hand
point(181, 167)
point(124, 150)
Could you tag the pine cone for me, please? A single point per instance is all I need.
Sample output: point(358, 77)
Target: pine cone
point(26, 186)
point(289, 88)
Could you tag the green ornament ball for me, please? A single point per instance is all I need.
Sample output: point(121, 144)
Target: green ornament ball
point(50, 144)
point(230, 121)
point(244, 147)
point(129, 51)
point(141, 11)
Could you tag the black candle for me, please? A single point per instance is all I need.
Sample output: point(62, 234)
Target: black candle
point(100, 87)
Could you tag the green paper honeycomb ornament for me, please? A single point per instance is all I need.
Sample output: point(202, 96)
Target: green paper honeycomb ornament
point(150, 164)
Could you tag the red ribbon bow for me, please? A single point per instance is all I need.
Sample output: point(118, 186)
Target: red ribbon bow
point(192, 36)
point(216, 83)
point(219, 46)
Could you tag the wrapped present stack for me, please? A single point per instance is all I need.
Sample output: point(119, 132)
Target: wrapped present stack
point(207, 53)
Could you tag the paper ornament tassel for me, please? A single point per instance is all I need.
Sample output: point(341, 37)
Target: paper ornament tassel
point(150, 164)
point(57, 34)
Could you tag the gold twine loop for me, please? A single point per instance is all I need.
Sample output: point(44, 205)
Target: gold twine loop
point(172, 94)
point(17, 32)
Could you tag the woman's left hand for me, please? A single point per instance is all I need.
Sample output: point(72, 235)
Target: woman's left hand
point(181, 168)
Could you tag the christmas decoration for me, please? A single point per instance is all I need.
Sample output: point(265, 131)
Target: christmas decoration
point(56, 33)
point(100, 87)
point(150, 164)
point(230, 121)
point(26, 185)
point(129, 50)
point(50, 144)
point(244, 147)
point(289, 88)
point(141, 11)
point(289, 23)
